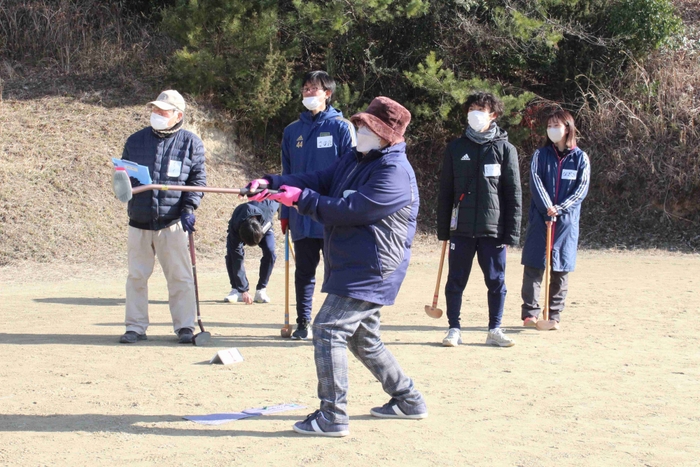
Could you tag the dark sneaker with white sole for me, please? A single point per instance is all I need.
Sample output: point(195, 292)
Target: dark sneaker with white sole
point(131, 337)
point(316, 424)
point(397, 409)
point(303, 331)
point(186, 336)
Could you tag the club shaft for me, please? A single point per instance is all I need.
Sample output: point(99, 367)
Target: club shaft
point(286, 278)
point(194, 274)
point(201, 189)
point(547, 270)
point(439, 277)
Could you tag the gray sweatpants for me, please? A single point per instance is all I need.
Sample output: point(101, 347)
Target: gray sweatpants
point(346, 323)
point(532, 283)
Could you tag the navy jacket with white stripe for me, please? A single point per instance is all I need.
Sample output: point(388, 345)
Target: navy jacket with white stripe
point(368, 207)
point(562, 183)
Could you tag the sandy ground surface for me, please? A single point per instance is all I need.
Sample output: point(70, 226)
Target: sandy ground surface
point(618, 385)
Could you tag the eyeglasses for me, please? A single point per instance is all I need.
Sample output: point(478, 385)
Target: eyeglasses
point(314, 89)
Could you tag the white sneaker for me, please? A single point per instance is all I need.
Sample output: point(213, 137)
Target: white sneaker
point(497, 337)
point(261, 296)
point(453, 338)
point(233, 296)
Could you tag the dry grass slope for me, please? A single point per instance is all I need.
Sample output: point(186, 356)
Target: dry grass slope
point(56, 202)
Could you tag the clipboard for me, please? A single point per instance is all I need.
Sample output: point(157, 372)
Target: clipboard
point(139, 172)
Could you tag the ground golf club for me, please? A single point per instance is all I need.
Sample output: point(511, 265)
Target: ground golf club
point(544, 324)
point(203, 337)
point(121, 185)
point(286, 330)
point(433, 311)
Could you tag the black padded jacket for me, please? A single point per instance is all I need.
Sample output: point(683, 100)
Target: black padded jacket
point(489, 178)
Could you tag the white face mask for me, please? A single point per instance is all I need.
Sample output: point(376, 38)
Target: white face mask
point(556, 133)
point(367, 140)
point(312, 103)
point(478, 119)
point(158, 122)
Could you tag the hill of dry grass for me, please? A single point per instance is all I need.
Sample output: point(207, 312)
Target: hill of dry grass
point(56, 201)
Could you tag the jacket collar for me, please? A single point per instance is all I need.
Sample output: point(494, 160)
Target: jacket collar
point(572, 151)
point(398, 149)
point(330, 112)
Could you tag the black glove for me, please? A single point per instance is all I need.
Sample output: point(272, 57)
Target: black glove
point(134, 182)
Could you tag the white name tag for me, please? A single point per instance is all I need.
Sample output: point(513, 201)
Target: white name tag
point(568, 174)
point(324, 142)
point(492, 170)
point(174, 168)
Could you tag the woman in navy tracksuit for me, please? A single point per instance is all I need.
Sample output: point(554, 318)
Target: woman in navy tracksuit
point(559, 178)
point(367, 203)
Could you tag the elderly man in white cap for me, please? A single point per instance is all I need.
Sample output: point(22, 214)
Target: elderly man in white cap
point(159, 220)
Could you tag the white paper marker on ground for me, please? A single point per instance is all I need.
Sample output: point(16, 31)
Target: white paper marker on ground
point(221, 418)
point(227, 356)
point(273, 409)
point(217, 418)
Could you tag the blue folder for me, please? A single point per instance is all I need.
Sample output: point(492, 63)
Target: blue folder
point(139, 172)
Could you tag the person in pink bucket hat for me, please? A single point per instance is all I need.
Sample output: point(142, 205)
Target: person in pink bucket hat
point(367, 203)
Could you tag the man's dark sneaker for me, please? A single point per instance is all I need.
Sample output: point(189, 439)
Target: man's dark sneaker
point(186, 336)
point(398, 409)
point(303, 331)
point(317, 424)
point(130, 337)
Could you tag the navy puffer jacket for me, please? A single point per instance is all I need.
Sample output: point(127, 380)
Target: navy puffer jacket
point(175, 160)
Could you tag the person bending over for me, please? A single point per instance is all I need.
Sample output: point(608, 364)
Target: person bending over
point(250, 224)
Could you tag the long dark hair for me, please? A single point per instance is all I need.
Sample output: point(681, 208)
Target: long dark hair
point(564, 117)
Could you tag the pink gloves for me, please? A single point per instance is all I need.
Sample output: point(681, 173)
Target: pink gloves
point(288, 195)
point(252, 186)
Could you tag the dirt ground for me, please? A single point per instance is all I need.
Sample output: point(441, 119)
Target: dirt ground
point(618, 385)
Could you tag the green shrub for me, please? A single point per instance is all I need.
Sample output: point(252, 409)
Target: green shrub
point(643, 25)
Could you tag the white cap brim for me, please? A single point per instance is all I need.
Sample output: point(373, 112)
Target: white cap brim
point(163, 105)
